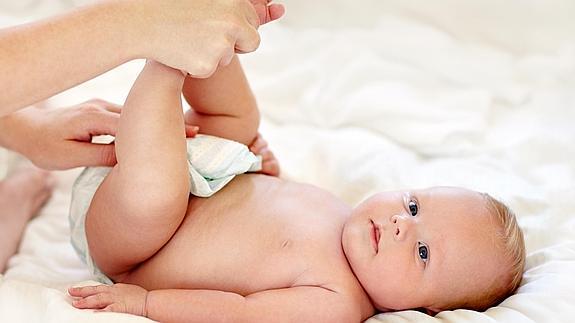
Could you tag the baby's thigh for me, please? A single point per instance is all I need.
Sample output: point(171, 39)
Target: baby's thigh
point(173, 263)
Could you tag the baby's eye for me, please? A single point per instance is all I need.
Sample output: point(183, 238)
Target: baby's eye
point(423, 251)
point(413, 208)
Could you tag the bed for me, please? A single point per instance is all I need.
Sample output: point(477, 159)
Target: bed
point(381, 95)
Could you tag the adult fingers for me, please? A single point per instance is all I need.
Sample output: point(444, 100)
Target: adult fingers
point(251, 14)
point(248, 40)
point(101, 123)
point(88, 155)
point(108, 106)
point(227, 57)
point(114, 108)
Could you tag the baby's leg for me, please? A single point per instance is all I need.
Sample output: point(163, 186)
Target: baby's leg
point(223, 105)
point(21, 197)
point(143, 200)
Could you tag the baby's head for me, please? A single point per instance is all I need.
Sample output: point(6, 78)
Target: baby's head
point(437, 249)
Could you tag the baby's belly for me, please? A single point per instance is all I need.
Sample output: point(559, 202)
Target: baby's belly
point(237, 241)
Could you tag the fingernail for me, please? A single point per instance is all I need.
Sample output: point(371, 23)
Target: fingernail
point(196, 128)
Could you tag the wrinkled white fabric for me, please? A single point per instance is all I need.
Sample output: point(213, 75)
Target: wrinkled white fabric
point(359, 97)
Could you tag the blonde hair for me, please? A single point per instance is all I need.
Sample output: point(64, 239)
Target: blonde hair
point(512, 243)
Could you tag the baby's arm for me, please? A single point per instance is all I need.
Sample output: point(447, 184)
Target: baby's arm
point(223, 105)
point(295, 304)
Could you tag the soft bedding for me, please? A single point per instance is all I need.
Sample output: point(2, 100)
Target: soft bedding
point(359, 97)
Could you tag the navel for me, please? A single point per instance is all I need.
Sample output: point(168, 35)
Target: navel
point(286, 244)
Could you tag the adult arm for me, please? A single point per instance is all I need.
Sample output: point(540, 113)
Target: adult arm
point(40, 59)
point(295, 304)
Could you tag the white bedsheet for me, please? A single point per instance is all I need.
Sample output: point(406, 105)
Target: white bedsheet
point(359, 97)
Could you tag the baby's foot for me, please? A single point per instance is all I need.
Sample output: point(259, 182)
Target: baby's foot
point(270, 165)
point(24, 192)
point(22, 195)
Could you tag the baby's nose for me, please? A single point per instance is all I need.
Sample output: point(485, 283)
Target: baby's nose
point(402, 226)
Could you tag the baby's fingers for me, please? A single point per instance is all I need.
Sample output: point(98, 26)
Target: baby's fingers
point(267, 155)
point(87, 290)
point(276, 11)
point(270, 165)
point(258, 144)
point(97, 301)
point(191, 131)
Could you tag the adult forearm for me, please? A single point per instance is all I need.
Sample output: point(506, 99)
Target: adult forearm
point(41, 59)
point(180, 305)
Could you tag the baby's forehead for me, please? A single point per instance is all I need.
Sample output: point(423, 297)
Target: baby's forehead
point(456, 199)
point(448, 192)
point(455, 204)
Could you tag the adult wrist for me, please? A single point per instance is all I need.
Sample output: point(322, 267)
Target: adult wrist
point(124, 24)
point(134, 20)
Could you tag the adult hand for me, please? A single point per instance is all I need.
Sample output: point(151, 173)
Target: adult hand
point(62, 138)
point(198, 36)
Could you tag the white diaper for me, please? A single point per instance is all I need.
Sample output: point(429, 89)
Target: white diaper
point(212, 162)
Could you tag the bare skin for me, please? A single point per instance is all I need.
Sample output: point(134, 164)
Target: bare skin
point(43, 58)
point(287, 239)
point(270, 244)
point(22, 195)
point(265, 249)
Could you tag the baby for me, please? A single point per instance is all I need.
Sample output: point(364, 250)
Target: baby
point(266, 249)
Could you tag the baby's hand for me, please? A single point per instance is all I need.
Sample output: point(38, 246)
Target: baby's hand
point(267, 12)
point(120, 298)
point(270, 165)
